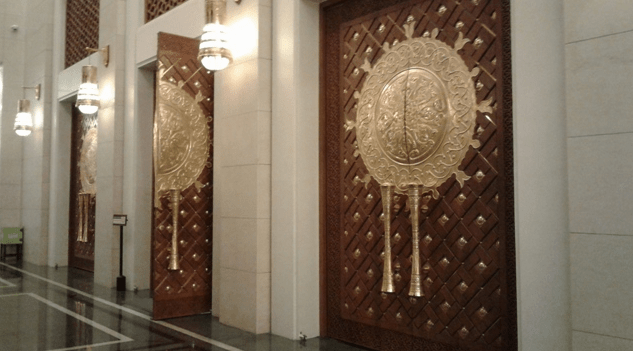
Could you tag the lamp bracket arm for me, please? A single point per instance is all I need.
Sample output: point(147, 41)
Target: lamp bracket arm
point(105, 53)
point(37, 88)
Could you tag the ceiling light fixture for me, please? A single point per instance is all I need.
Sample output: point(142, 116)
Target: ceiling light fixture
point(23, 125)
point(88, 98)
point(214, 53)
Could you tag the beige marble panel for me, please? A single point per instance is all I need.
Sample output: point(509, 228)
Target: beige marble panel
point(252, 130)
point(586, 19)
point(106, 158)
point(239, 89)
point(104, 231)
point(11, 196)
point(41, 15)
point(243, 26)
point(265, 47)
point(239, 244)
point(602, 284)
point(264, 85)
point(263, 246)
point(11, 170)
point(599, 190)
point(245, 191)
point(598, 85)
point(238, 299)
point(39, 42)
point(46, 196)
point(264, 137)
point(263, 191)
point(31, 197)
point(263, 303)
point(31, 220)
point(10, 217)
point(593, 342)
point(32, 171)
point(236, 189)
point(15, 7)
point(106, 122)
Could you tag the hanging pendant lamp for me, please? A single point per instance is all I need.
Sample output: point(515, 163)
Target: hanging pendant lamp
point(23, 125)
point(88, 100)
point(214, 53)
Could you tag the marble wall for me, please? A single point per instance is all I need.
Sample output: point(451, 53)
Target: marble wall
point(242, 170)
point(598, 48)
point(295, 170)
point(26, 56)
point(540, 175)
point(12, 47)
point(266, 198)
point(36, 151)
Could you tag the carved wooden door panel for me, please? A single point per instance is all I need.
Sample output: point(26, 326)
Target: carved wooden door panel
point(83, 163)
point(183, 130)
point(467, 255)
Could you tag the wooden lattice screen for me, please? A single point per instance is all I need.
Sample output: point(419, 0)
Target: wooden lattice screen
point(82, 29)
point(155, 8)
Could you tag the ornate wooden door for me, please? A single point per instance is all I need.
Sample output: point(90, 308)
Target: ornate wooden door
point(184, 97)
point(466, 243)
point(83, 166)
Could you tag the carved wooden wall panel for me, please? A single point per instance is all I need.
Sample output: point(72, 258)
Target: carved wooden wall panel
point(467, 234)
point(81, 236)
point(155, 8)
point(186, 291)
point(82, 29)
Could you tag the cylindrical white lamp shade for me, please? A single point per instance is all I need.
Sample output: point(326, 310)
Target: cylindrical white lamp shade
point(214, 51)
point(23, 121)
point(88, 100)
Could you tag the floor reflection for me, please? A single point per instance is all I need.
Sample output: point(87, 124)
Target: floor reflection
point(43, 308)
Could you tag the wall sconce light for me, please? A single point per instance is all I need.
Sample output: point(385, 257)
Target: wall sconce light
point(88, 99)
point(23, 125)
point(214, 52)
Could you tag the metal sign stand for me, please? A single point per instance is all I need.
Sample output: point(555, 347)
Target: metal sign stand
point(121, 221)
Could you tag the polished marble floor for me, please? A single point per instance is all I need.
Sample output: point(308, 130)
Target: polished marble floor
point(43, 308)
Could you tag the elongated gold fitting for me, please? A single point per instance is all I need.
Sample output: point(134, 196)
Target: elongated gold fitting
point(173, 256)
point(416, 279)
point(87, 203)
point(80, 227)
point(387, 274)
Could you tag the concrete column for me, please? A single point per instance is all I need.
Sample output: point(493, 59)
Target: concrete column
point(112, 24)
point(540, 175)
point(242, 171)
point(137, 168)
point(12, 59)
point(295, 169)
point(61, 121)
point(36, 153)
point(598, 49)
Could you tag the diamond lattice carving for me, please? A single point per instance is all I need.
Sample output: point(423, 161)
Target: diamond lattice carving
point(467, 239)
point(188, 290)
point(155, 8)
point(82, 29)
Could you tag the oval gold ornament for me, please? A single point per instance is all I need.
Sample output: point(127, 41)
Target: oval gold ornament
point(417, 113)
point(181, 139)
point(88, 162)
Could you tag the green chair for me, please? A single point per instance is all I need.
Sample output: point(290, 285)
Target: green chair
point(11, 237)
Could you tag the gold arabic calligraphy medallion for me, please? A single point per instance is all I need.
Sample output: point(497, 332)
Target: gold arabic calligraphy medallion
point(415, 122)
point(88, 162)
point(416, 113)
point(181, 139)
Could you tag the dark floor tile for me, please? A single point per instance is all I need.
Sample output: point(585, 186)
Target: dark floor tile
point(48, 327)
